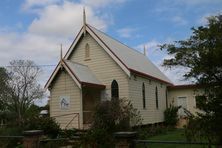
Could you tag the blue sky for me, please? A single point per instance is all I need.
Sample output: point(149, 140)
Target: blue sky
point(34, 29)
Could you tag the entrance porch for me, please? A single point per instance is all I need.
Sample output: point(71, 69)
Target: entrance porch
point(90, 98)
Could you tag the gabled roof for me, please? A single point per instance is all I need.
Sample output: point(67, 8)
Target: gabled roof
point(81, 74)
point(127, 58)
point(134, 60)
point(130, 60)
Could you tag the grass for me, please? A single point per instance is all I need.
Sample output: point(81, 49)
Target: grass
point(172, 135)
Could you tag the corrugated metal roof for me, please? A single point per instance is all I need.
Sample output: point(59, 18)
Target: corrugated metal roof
point(82, 72)
point(131, 58)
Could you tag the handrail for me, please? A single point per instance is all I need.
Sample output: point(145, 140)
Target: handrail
point(75, 115)
point(71, 121)
point(11, 136)
point(64, 115)
point(172, 142)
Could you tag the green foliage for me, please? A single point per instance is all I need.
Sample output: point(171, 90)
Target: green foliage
point(116, 114)
point(67, 133)
point(4, 93)
point(201, 54)
point(170, 115)
point(200, 101)
point(148, 131)
point(32, 111)
point(10, 142)
point(207, 125)
point(109, 117)
point(47, 124)
point(197, 130)
point(98, 137)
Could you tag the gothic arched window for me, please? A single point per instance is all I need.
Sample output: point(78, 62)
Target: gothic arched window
point(156, 93)
point(144, 96)
point(114, 89)
point(87, 51)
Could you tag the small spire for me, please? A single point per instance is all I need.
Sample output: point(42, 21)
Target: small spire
point(144, 50)
point(84, 20)
point(61, 53)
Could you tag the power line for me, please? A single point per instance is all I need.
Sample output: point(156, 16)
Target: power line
point(30, 66)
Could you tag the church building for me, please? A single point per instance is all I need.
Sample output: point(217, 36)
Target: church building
point(97, 67)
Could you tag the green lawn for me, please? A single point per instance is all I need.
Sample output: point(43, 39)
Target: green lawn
point(175, 135)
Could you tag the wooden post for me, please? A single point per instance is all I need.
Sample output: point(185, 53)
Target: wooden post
point(32, 138)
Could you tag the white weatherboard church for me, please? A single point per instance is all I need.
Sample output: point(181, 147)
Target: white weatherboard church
point(97, 67)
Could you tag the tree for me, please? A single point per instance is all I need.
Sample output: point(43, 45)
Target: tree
point(4, 89)
point(24, 88)
point(201, 54)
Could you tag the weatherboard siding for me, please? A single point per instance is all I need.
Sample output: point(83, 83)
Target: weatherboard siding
point(101, 64)
point(189, 93)
point(64, 85)
point(150, 114)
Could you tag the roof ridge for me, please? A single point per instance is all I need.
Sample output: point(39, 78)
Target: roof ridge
point(117, 40)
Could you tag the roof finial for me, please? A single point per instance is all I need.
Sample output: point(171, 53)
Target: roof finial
point(84, 20)
point(144, 50)
point(61, 53)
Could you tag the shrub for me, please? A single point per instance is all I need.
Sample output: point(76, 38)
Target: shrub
point(147, 131)
point(109, 117)
point(67, 133)
point(10, 142)
point(198, 129)
point(170, 115)
point(47, 124)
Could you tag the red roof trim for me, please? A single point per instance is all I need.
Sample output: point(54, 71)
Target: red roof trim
point(146, 75)
point(93, 85)
point(186, 86)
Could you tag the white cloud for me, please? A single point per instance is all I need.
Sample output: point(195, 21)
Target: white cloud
point(29, 4)
point(126, 32)
point(175, 75)
point(54, 24)
point(157, 57)
point(179, 20)
point(64, 20)
point(28, 46)
point(151, 47)
point(203, 19)
point(101, 3)
point(198, 2)
point(56, 21)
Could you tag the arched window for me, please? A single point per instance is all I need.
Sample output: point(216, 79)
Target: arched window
point(144, 96)
point(114, 89)
point(156, 93)
point(87, 51)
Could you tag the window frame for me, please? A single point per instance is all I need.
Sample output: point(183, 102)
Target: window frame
point(114, 90)
point(144, 95)
point(157, 98)
point(87, 51)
